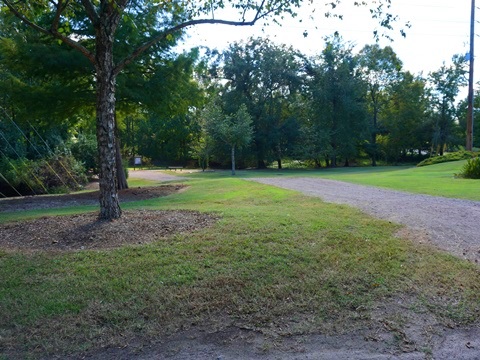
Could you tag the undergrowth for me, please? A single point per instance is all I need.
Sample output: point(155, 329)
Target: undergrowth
point(454, 156)
point(471, 169)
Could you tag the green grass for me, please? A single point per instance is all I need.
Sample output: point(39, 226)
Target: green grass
point(276, 261)
point(438, 179)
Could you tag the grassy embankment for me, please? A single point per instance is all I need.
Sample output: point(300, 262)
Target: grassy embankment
point(277, 261)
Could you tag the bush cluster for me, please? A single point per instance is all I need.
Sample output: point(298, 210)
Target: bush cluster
point(471, 170)
point(56, 173)
point(84, 149)
point(454, 156)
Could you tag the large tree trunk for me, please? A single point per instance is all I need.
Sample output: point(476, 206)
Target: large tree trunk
point(121, 176)
point(109, 202)
point(374, 133)
point(374, 148)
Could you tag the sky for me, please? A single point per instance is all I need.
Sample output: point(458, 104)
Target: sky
point(439, 29)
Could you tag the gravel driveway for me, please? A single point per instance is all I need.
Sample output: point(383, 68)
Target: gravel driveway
point(452, 225)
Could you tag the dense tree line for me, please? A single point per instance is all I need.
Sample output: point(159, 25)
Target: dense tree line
point(334, 109)
point(340, 107)
point(112, 35)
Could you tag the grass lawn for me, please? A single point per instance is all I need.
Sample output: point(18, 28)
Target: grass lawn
point(438, 179)
point(276, 261)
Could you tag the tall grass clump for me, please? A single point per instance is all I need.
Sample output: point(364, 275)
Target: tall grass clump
point(471, 169)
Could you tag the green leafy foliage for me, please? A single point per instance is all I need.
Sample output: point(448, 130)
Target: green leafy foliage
point(234, 130)
point(84, 149)
point(406, 120)
point(454, 156)
point(381, 69)
point(337, 122)
point(60, 172)
point(266, 78)
point(471, 170)
point(446, 83)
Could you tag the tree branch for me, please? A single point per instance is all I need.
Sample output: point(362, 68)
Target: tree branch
point(58, 13)
point(52, 33)
point(91, 12)
point(142, 48)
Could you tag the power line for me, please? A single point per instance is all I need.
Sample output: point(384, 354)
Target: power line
point(34, 147)
point(8, 182)
point(18, 172)
point(20, 158)
point(51, 153)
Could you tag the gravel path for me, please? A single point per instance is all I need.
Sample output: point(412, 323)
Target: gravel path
point(450, 224)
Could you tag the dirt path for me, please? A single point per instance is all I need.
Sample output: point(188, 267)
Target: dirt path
point(155, 175)
point(452, 225)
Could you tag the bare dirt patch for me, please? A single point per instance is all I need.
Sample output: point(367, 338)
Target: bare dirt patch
point(85, 231)
point(84, 198)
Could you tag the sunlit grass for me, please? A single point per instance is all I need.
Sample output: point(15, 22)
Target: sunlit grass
point(438, 180)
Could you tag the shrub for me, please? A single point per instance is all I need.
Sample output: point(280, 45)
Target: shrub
point(84, 149)
point(57, 173)
point(61, 171)
point(455, 156)
point(471, 170)
point(18, 176)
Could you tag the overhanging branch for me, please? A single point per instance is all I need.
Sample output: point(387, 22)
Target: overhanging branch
point(52, 32)
point(141, 49)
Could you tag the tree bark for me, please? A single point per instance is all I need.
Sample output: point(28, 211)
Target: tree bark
point(233, 160)
point(121, 176)
point(374, 147)
point(105, 77)
point(374, 130)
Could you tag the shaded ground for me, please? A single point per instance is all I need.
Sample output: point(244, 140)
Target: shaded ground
point(380, 343)
point(84, 198)
point(85, 231)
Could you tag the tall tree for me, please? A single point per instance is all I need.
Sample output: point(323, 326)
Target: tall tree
point(406, 118)
point(462, 117)
point(234, 130)
point(337, 102)
point(91, 26)
point(266, 78)
point(444, 87)
point(159, 87)
point(381, 70)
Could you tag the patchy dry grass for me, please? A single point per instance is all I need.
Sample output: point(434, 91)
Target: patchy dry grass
point(276, 261)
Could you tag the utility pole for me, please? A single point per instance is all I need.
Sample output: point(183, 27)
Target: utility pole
point(469, 142)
